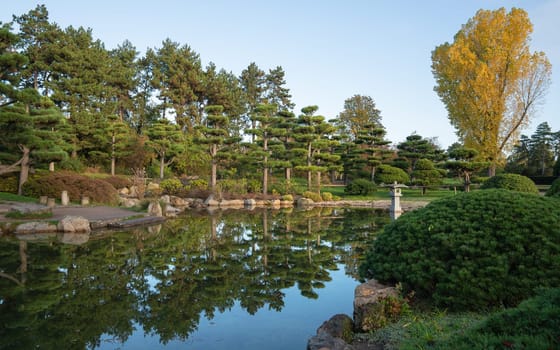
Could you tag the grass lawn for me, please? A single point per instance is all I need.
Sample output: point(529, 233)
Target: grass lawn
point(10, 197)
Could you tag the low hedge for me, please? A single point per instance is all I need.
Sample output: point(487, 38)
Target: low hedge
point(512, 182)
point(473, 250)
point(52, 185)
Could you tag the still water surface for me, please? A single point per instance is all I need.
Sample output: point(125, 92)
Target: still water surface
point(226, 280)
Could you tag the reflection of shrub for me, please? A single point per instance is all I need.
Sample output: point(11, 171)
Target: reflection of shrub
point(360, 186)
point(52, 185)
point(473, 250)
point(534, 324)
point(554, 190)
point(512, 182)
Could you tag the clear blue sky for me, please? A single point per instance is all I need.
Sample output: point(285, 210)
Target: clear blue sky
point(329, 49)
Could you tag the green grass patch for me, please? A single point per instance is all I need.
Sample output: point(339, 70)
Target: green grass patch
point(10, 197)
point(423, 330)
point(27, 216)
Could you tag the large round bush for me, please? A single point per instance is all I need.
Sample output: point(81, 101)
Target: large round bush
point(473, 250)
point(554, 189)
point(512, 182)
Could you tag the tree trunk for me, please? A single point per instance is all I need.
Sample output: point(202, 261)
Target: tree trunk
point(24, 171)
point(319, 182)
point(161, 165)
point(467, 183)
point(214, 174)
point(288, 174)
point(51, 167)
point(265, 180)
point(113, 156)
point(492, 170)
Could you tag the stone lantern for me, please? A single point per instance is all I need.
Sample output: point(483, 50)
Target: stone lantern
point(395, 210)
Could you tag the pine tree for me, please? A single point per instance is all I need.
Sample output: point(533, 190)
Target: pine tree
point(312, 133)
point(166, 140)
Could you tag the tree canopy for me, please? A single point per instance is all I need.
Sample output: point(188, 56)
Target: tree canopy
point(490, 81)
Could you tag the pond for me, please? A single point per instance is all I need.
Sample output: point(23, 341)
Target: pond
point(223, 280)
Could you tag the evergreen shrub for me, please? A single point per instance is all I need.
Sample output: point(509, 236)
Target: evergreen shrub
point(173, 187)
point(52, 185)
point(9, 183)
point(233, 186)
point(387, 174)
point(554, 189)
point(314, 196)
point(327, 196)
point(473, 250)
point(512, 182)
point(360, 187)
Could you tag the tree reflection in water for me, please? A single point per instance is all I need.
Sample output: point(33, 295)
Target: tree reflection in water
point(55, 295)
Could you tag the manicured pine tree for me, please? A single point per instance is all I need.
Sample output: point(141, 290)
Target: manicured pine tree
point(215, 136)
point(115, 136)
point(416, 147)
point(268, 135)
point(463, 163)
point(425, 174)
point(311, 133)
point(371, 142)
point(166, 140)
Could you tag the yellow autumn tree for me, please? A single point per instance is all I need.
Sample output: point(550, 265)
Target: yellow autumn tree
point(490, 81)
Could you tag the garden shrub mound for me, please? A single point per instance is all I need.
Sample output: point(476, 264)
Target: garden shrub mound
point(52, 185)
point(472, 251)
point(554, 189)
point(512, 182)
point(534, 324)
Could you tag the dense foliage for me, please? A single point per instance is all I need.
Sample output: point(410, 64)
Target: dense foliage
point(52, 185)
point(512, 182)
point(387, 174)
point(360, 186)
point(554, 189)
point(471, 251)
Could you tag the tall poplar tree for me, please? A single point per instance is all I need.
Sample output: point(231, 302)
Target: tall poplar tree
point(490, 81)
